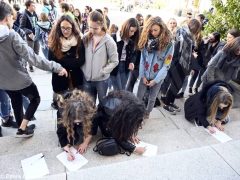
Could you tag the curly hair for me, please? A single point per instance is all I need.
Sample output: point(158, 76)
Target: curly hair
point(164, 36)
point(127, 117)
point(54, 42)
point(79, 106)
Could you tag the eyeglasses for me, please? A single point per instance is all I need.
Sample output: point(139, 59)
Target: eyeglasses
point(68, 29)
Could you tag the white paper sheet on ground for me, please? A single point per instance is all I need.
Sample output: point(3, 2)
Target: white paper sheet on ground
point(74, 165)
point(220, 136)
point(34, 167)
point(151, 150)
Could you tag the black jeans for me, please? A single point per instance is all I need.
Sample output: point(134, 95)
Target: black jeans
point(197, 75)
point(173, 83)
point(31, 92)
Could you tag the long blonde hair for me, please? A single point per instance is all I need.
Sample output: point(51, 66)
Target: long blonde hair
point(221, 97)
point(79, 106)
point(164, 37)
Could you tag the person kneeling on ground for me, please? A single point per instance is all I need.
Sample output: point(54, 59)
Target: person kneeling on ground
point(121, 116)
point(210, 107)
point(74, 127)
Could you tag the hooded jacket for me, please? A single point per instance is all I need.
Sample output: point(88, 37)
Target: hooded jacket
point(196, 106)
point(222, 67)
point(13, 49)
point(42, 27)
point(100, 62)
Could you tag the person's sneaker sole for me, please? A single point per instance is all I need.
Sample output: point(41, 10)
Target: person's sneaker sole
point(23, 135)
point(170, 112)
point(177, 110)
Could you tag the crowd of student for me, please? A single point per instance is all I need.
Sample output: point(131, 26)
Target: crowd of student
point(88, 56)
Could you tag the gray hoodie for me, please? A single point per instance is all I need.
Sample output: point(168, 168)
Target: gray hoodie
point(100, 62)
point(13, 76)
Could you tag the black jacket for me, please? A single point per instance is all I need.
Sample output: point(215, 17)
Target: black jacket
point(102, 117)
point(72, 65)
point(196, 106)
point(28, 22)
point(78, 134)
point(223, 66)
point(62, 135)
point(197, 63)
point(19, 17)
point(210, 51)
point(130, 54)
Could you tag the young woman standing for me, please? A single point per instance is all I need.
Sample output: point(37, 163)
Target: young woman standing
point(157, 52)
point(126, 46)
point(101, 56)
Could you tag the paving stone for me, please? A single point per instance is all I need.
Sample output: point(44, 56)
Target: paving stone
point(157, 125)
point(230, 152)
point(201, 136)
point(194, 164)
point(181, 122)
point(40, 141)
point(60, 176)
point(170, 141)
point(11, 164)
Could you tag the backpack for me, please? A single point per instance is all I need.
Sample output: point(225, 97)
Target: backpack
point(44, 37)
point(108, 146)
point(51, 15)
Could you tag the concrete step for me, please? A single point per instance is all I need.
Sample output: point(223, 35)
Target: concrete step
point(183, 164)
point(46, 121)
point(10, 165)
point(168, 141)
point(41, 141)
point(194, 164)
point(154, 130)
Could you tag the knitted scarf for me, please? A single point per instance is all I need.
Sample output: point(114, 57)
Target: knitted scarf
point(68, 43)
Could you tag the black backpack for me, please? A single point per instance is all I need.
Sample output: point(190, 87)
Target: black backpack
point(108, 146)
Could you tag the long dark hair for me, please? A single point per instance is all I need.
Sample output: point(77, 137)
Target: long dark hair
point(54, 42)
point(232, 47)
point(194, 26)
point(124, 32)
point(79, 17)
point(127, 117)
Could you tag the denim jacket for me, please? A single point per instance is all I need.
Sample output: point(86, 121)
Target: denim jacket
point(155, 65)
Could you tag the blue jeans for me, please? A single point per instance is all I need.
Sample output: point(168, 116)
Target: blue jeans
point(96, 88)
point(5, 109)
point(153, 92)
point(119, 82)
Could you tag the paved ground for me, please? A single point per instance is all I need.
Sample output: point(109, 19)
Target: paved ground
point(184, 151)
